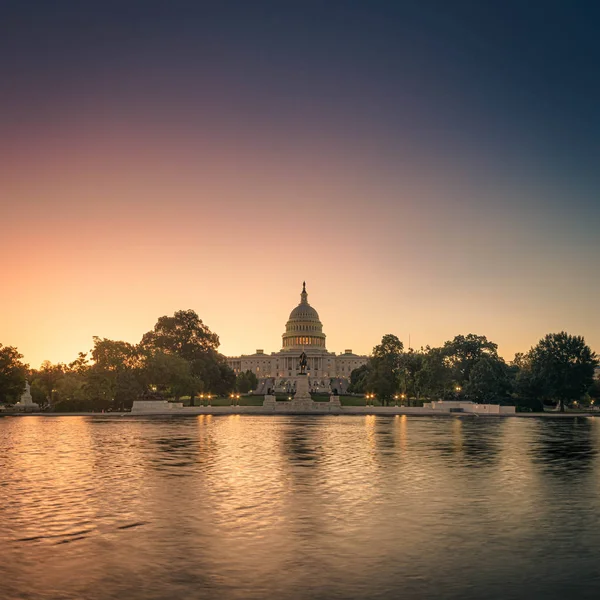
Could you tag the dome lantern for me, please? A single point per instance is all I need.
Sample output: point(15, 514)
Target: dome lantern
point(304, 329)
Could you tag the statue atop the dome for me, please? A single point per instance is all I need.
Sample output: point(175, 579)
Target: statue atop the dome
point(304, 294)
point(303, 363)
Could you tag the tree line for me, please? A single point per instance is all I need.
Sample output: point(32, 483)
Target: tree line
point(178, 357)
point(557, 371)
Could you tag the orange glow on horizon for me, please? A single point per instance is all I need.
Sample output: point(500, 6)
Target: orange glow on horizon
point(110, 234)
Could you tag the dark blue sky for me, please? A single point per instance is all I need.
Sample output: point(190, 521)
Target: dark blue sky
point(524, 70)
point(451, 144)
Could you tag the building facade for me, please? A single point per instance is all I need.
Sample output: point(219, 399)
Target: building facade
point(326, 371)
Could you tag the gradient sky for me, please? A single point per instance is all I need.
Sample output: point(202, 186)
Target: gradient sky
point(430, 168)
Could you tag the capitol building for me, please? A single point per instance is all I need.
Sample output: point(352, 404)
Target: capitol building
point(326, 371)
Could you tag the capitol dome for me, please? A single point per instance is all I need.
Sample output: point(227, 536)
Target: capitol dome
point(304, 329)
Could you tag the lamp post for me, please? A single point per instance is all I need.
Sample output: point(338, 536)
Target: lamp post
point(208, 400)
point(237, 397)
point(201, 399)
point(403, 397)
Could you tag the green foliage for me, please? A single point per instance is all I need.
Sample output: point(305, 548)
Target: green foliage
point(464, 352)
point(246, 381)
point(489, 380)
point(560, 368)
point(412, 364)
point(594, 391)
point(385, 367)
point(435, 377)
point(46, 379)
point(73, 405)
point(359, 378)
point(183, 334)
point(171, 375)
point(213, 370)
point(390, 348)
point(470, 362)
point(13, 373)
point(253, 379)
point(116, 378)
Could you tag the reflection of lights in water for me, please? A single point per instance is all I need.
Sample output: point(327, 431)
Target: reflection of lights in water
point(402, 431)
point(457, 434)
point(370, 427)
point(231, 494)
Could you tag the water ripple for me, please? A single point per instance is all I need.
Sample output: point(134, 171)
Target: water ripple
point(298, 507)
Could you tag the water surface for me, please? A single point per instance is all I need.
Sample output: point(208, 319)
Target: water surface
point(244, 507)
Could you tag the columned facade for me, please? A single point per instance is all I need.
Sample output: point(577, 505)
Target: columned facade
point(303, 333)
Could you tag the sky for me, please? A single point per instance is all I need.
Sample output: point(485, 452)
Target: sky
point(430, 168)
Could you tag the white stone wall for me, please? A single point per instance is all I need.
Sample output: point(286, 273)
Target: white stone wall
point(470, 407)
point(285, 364)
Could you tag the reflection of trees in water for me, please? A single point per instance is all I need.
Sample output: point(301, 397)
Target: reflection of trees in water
point(565, 446)
point(299, 441)
point(174, 453)
point(386, 434)
point(473, 441)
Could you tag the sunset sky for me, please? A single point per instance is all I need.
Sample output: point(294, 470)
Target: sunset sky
point(430, 168)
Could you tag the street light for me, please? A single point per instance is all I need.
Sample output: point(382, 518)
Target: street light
point(238, 399)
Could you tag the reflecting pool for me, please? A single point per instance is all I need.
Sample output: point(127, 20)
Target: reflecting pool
point(244, 507)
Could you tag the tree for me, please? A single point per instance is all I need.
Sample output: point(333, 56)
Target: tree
point(242, 384)
point(434, 379)
point(80, 364)
point(383, 381)
point(385, 367)
point(391, 348)
point(411, 365)
point(463, 353)
point(171, 375)
point(114, 356)
point(47, 378)
point(13, 373)
point(115, 378)
point(529, 393)
point(489, 381)
point(359, 378)
point(562, 367)
point(594, 391)
point(246, 381)
point(218, 377)
point(183, 334)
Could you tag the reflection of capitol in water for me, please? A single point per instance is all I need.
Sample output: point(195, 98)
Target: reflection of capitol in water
point(303, 332)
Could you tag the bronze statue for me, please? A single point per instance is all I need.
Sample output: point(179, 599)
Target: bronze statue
point(303, 363)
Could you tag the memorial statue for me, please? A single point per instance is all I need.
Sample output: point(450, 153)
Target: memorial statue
point(303, 363)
